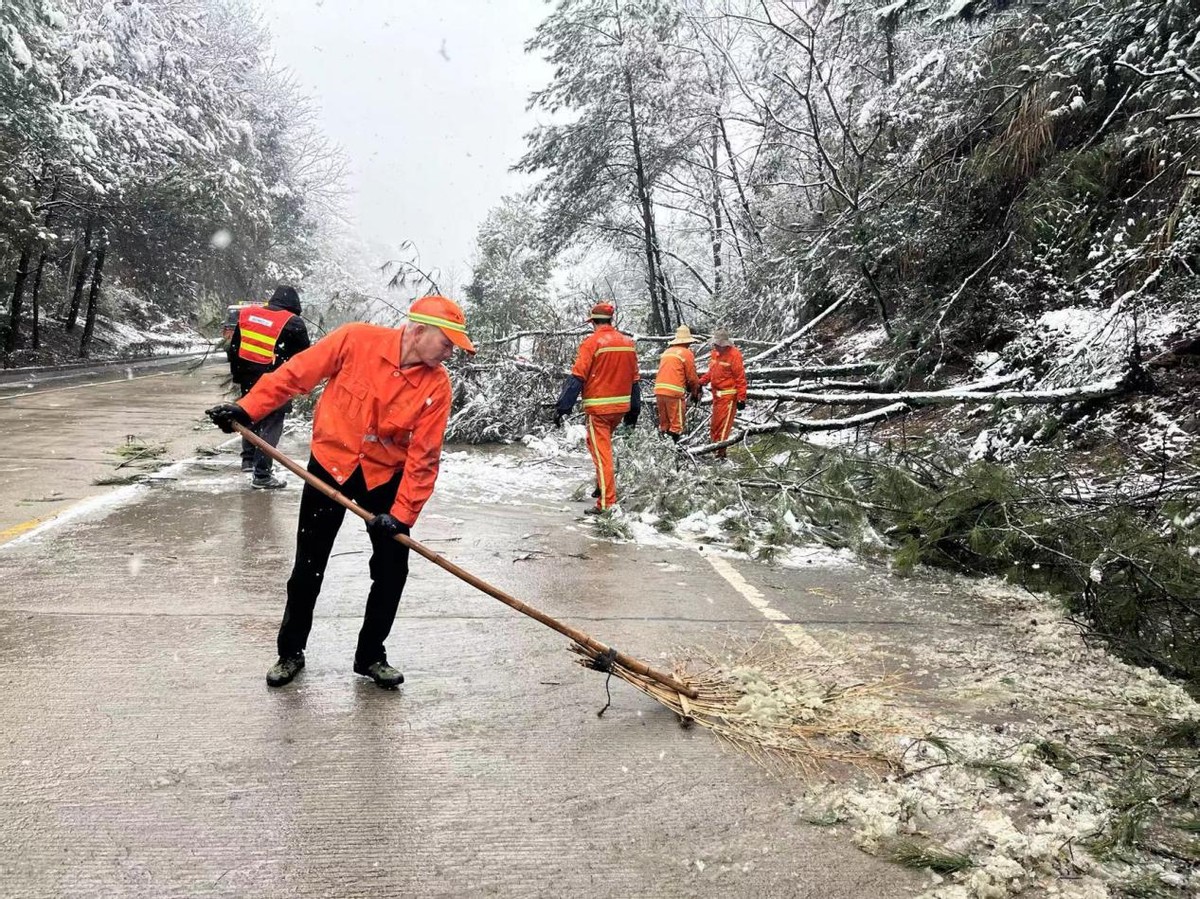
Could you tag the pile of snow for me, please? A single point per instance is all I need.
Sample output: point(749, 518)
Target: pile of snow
point(129, 324)
point(988, 790)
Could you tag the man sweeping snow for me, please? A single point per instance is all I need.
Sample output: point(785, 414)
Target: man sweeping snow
point(377, 437)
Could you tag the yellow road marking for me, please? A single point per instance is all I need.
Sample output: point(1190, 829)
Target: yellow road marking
point(792, 632)
point(18, 529)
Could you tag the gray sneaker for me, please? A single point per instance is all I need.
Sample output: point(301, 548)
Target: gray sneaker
point(380, 672)
point(270, 482)
point(285, 670)
point(247, 465)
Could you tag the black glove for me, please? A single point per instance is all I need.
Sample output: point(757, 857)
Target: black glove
point(741, 404)
point(630, 420)
point(558, 418)
point(386, 526)
point(226, 414)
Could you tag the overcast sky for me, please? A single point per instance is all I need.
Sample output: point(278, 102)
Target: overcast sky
point(427, 97)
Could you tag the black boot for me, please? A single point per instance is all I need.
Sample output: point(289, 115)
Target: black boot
point(380, 672)
point(285, 670)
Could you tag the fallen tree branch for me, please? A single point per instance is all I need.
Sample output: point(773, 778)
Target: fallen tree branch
point(510, 338)
point(914, 398)
point(804, 371)
point(818, 384)
point(803, 425)
point(796, 335)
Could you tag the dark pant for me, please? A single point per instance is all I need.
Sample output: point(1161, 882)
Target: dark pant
point(320, 518)
point(270, 429)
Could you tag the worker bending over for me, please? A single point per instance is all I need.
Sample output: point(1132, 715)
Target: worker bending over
point(377, 438)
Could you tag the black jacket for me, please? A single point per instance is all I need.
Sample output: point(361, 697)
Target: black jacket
point(292, 339)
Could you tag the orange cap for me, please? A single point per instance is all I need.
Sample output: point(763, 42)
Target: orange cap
point(443, 313)
point(602, 312)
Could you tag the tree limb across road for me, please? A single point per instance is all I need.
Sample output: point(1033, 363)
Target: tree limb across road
point(914, 398)
point(901, 403)
point(806, 425)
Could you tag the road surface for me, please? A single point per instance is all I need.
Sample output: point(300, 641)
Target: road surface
point(143, 754)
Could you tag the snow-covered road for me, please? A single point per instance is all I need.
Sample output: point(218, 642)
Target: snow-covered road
point(145, 756)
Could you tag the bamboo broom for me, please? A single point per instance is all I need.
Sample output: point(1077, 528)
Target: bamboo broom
point(715, 696)
point(601, 655)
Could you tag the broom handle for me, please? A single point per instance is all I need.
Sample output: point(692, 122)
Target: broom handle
point(478, 583)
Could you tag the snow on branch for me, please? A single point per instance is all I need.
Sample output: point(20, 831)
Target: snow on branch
point(806, 425)
point(796, 335)
point(805, 371)
point(513, 338)
point(1097, 390)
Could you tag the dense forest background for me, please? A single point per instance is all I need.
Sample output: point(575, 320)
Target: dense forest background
point(147, 149)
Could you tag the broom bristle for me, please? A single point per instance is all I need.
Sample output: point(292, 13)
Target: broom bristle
point(790, 715)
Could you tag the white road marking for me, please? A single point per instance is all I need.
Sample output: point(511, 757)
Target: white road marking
point(109, 383)
point(792, 632)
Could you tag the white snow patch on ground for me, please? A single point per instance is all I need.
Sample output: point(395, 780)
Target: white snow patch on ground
point(816, 555)
point(855, 346)
point(502, 478)
point(986, 788)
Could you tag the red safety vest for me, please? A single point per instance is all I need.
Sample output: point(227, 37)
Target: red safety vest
point(260, 328)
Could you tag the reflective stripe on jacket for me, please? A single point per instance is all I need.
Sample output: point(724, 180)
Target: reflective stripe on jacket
point(725, 373)
point(676, 373)
point(373, 413)
point(259, 329)
point(608, 366)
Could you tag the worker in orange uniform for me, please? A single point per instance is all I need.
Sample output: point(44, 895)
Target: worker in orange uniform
point(377, 437)
point(606, 372)
point(675, 382)
point(727, 377)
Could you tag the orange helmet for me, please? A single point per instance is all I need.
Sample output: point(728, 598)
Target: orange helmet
point(445, 314)
point(602, 312)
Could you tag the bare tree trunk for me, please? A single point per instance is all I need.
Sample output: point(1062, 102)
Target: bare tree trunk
point(18, 297)
point(737, 241)
point(737, 181)
point(664, 289)
point(89, 322)
point(714, 161)
point(879, 302)
point(889, 31)
point(80, 277)
point(36, 335)
point(658, 323)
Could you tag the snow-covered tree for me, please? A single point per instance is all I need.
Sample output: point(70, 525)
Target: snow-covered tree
point(510, 278)
point(620, 76)
point(153, 138)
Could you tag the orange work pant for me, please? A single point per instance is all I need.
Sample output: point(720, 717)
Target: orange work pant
point(671, 413)
point(722, 419)
point(599, 443)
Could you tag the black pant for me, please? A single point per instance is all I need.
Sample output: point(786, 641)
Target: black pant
point(320, 519)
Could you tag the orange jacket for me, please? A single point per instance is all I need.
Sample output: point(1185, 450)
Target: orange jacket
point(607, 364)
point(677, 373)
point(726, 373)
point(373, 413)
